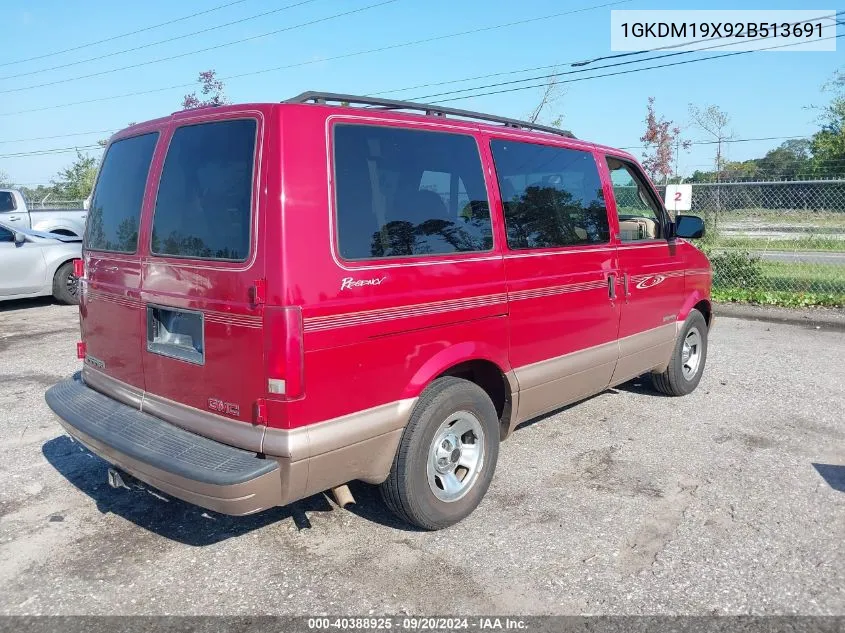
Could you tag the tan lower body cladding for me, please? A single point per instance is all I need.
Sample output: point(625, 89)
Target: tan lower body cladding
point(362, 445)
point(557, 382)
point(311, 459)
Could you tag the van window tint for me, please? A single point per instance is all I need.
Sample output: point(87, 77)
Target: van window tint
point(551, 196)
point(115, 209)
point(404, 193)
point(204, 203)
point(7, 201)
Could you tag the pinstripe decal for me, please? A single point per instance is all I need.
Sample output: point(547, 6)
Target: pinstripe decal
point(666, 275)
point(536, 293)
point(318, 324)
point(238, 320)
point(220, 318)
point(121, 300)
point(368, 317)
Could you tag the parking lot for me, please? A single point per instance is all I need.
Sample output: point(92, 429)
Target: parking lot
point(728, 501)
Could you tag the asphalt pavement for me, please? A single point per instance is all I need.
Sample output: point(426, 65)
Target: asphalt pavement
point(727, 501)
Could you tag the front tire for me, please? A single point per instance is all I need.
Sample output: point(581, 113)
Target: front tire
point(66, 285)
point(688, 358)
point(446, 457)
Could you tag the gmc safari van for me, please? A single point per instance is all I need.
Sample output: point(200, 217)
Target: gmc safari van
point(279, 299)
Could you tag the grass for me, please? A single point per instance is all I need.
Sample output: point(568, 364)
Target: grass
point(813, 230)
point(789, 217)
point(808, 243)
point(787, 284)
point(804, 277)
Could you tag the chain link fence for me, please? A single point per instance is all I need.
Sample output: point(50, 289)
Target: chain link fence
point(780, 242)
point(777, 242)
point(55, 204)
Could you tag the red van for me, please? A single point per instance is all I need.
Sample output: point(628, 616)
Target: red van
point(279, 299)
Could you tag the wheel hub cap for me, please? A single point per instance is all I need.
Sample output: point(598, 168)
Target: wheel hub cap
point(456, 456)
point(691, 354)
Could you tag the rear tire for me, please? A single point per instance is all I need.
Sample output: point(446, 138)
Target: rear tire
point(446, 457)
point(688, 358)
point(66, 285)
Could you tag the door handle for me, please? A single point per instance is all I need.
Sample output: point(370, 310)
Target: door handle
point(611, 285)
point(13, 218)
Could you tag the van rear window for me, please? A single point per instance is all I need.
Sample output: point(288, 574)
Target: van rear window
point(403, 193)
point(204, 203)
point(116, 205)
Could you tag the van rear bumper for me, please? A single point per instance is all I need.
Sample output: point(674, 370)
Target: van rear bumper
point(185, 465)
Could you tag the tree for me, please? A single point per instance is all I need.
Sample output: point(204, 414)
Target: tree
point(828, 144)
point(38, 193)
point(792, 159)
point(5, 181)
point(662, 140)
point(715, 123)
point(211, 87)
point(76, 181)
point(552, 92)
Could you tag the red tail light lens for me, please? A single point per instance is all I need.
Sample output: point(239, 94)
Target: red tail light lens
point(284, 353)
point(81, 350)
point(79, 268)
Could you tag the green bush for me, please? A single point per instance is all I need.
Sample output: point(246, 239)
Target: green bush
point(736, 269)
point(779, 298)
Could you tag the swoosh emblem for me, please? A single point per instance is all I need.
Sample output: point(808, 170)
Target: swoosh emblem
point(650, 282)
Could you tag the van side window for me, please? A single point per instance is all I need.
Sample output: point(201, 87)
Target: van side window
point(115, 210)
point(404, 193)
point(639, 214)
point(552, 196)
point(204, 204)
point(7, 201)
point(6, 235)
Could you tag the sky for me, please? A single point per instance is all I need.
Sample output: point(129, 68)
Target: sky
point(766, 94)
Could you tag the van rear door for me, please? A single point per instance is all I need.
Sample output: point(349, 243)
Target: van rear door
point(203, 344)
point(110, 304)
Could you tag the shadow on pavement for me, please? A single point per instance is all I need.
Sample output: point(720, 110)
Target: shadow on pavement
point(369, 505)
point(25, 304)
point(834, 475)
point(154, 511)
point(641, 385)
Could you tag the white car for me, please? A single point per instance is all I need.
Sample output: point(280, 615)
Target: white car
point(34, 264)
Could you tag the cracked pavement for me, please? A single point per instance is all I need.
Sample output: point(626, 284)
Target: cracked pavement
point(728, 501)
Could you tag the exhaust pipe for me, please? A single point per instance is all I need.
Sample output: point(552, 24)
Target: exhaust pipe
point(115, 479)
point(342, 496)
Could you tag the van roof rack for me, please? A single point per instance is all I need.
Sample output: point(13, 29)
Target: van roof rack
point(430, 110)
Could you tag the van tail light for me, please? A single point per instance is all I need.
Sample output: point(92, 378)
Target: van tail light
point(284, 352)
point(79, 268)
point(81, 350)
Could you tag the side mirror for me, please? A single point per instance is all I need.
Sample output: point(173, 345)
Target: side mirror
point(20, 238)
point(689, 226)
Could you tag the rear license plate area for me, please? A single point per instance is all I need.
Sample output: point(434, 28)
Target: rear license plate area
point(176, 333)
